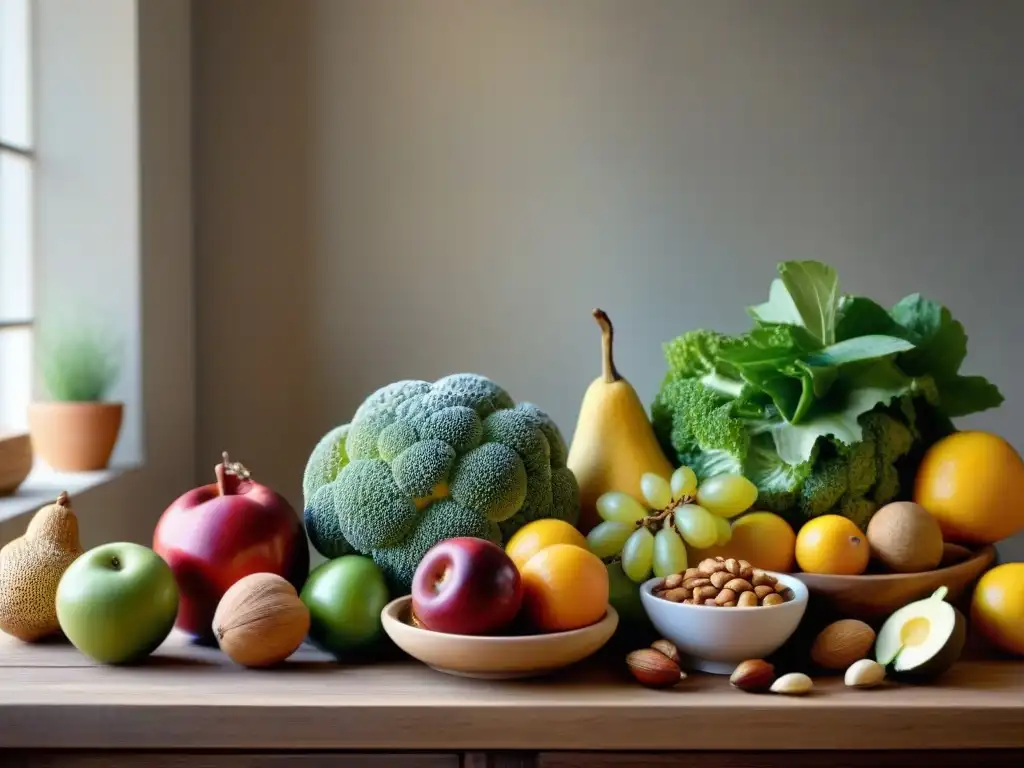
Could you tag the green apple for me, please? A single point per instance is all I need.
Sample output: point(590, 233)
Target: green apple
point(345, 597)
point(117, 602)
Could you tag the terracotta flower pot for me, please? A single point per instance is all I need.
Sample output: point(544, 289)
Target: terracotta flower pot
point(75, 437)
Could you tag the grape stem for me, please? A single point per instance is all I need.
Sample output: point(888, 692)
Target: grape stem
point(666, 514)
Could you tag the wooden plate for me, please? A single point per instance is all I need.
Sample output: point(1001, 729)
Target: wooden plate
point(872, 597)
point(494, 657)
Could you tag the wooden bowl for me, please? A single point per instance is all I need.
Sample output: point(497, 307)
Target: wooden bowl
point(872, 597)
point(494, 657)
point(15, 462)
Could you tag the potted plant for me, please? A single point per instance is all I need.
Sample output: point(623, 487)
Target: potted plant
point(77, 429)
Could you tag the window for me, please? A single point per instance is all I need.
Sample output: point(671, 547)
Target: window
point(16, 164)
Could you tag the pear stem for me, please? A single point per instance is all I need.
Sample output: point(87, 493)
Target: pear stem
point(62, 499)
point(609, 372)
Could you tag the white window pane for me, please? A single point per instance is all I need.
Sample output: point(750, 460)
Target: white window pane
point(15, 379)
point(15, 237)
point(15, 120)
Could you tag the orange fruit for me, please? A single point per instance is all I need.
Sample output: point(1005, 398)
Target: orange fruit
point(535, 536)
point(832, 544)
point(763, 539)
point(973, 484)
point(997, 607)
point(564, 587)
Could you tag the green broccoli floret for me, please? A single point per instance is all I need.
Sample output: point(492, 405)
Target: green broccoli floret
point(697, 424)
point(425, 462)
point(324, 464)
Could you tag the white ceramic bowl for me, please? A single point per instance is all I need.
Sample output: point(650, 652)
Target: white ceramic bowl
point(714, 639)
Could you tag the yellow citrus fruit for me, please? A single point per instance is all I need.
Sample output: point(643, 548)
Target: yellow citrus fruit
point(973, 484)
point(763, 539)
point(832, 544)
point(564, 587)
point(535, 536)
point(997, 607)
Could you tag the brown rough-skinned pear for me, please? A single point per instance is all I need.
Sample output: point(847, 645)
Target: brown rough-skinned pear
point(614, 443)
point(31, 567)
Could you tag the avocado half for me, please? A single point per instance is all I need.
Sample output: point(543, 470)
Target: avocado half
point(923, 639)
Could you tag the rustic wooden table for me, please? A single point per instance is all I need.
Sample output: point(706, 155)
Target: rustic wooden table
point(189, 705)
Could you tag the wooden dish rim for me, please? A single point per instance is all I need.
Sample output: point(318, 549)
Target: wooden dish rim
point(987, 552)
point(392, 613)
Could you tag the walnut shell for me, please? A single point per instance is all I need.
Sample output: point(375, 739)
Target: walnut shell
point(260, 621)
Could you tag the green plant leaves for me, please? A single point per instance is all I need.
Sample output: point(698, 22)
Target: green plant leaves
point(860, 349)
point(806, 293)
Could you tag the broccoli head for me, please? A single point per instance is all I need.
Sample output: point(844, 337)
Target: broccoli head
point(424, 462)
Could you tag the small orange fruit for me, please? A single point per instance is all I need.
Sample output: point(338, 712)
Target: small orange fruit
point(832, 544)
point(997, 607)
point(973, 484)
point(564, 587)
point(535, 536)
point(764, 540)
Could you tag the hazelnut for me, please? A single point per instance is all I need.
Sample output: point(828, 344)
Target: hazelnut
point(654, 669)
point(668, 648)
point(753, 675)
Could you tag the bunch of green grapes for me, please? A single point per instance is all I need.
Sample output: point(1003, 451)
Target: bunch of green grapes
point(680, 513)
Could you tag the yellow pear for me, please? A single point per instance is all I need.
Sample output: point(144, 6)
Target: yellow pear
point(30, 570)
point(614, 443)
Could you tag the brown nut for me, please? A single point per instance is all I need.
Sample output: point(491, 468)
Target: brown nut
point(739, 585)
point(668, 648)
point(673, 580)
point(753, 675)
point(708, 566)
point(760, 578)
point(746, 600)
point(701, 594)
point(691, 573)
point(729, 605)
point(710, 601)
point(746, 573)
point(732, 565)
point(720, 559)
point(678, 594)
point(782, 589)
point(726, 596)
point(699, 581)
point(773, 599)
point(762, 590)
point(720, 579)
point(653, 668)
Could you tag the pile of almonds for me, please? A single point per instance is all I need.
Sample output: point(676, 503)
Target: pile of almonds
point(718, 581)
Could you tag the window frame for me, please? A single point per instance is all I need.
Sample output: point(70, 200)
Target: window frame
point(16, 322)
